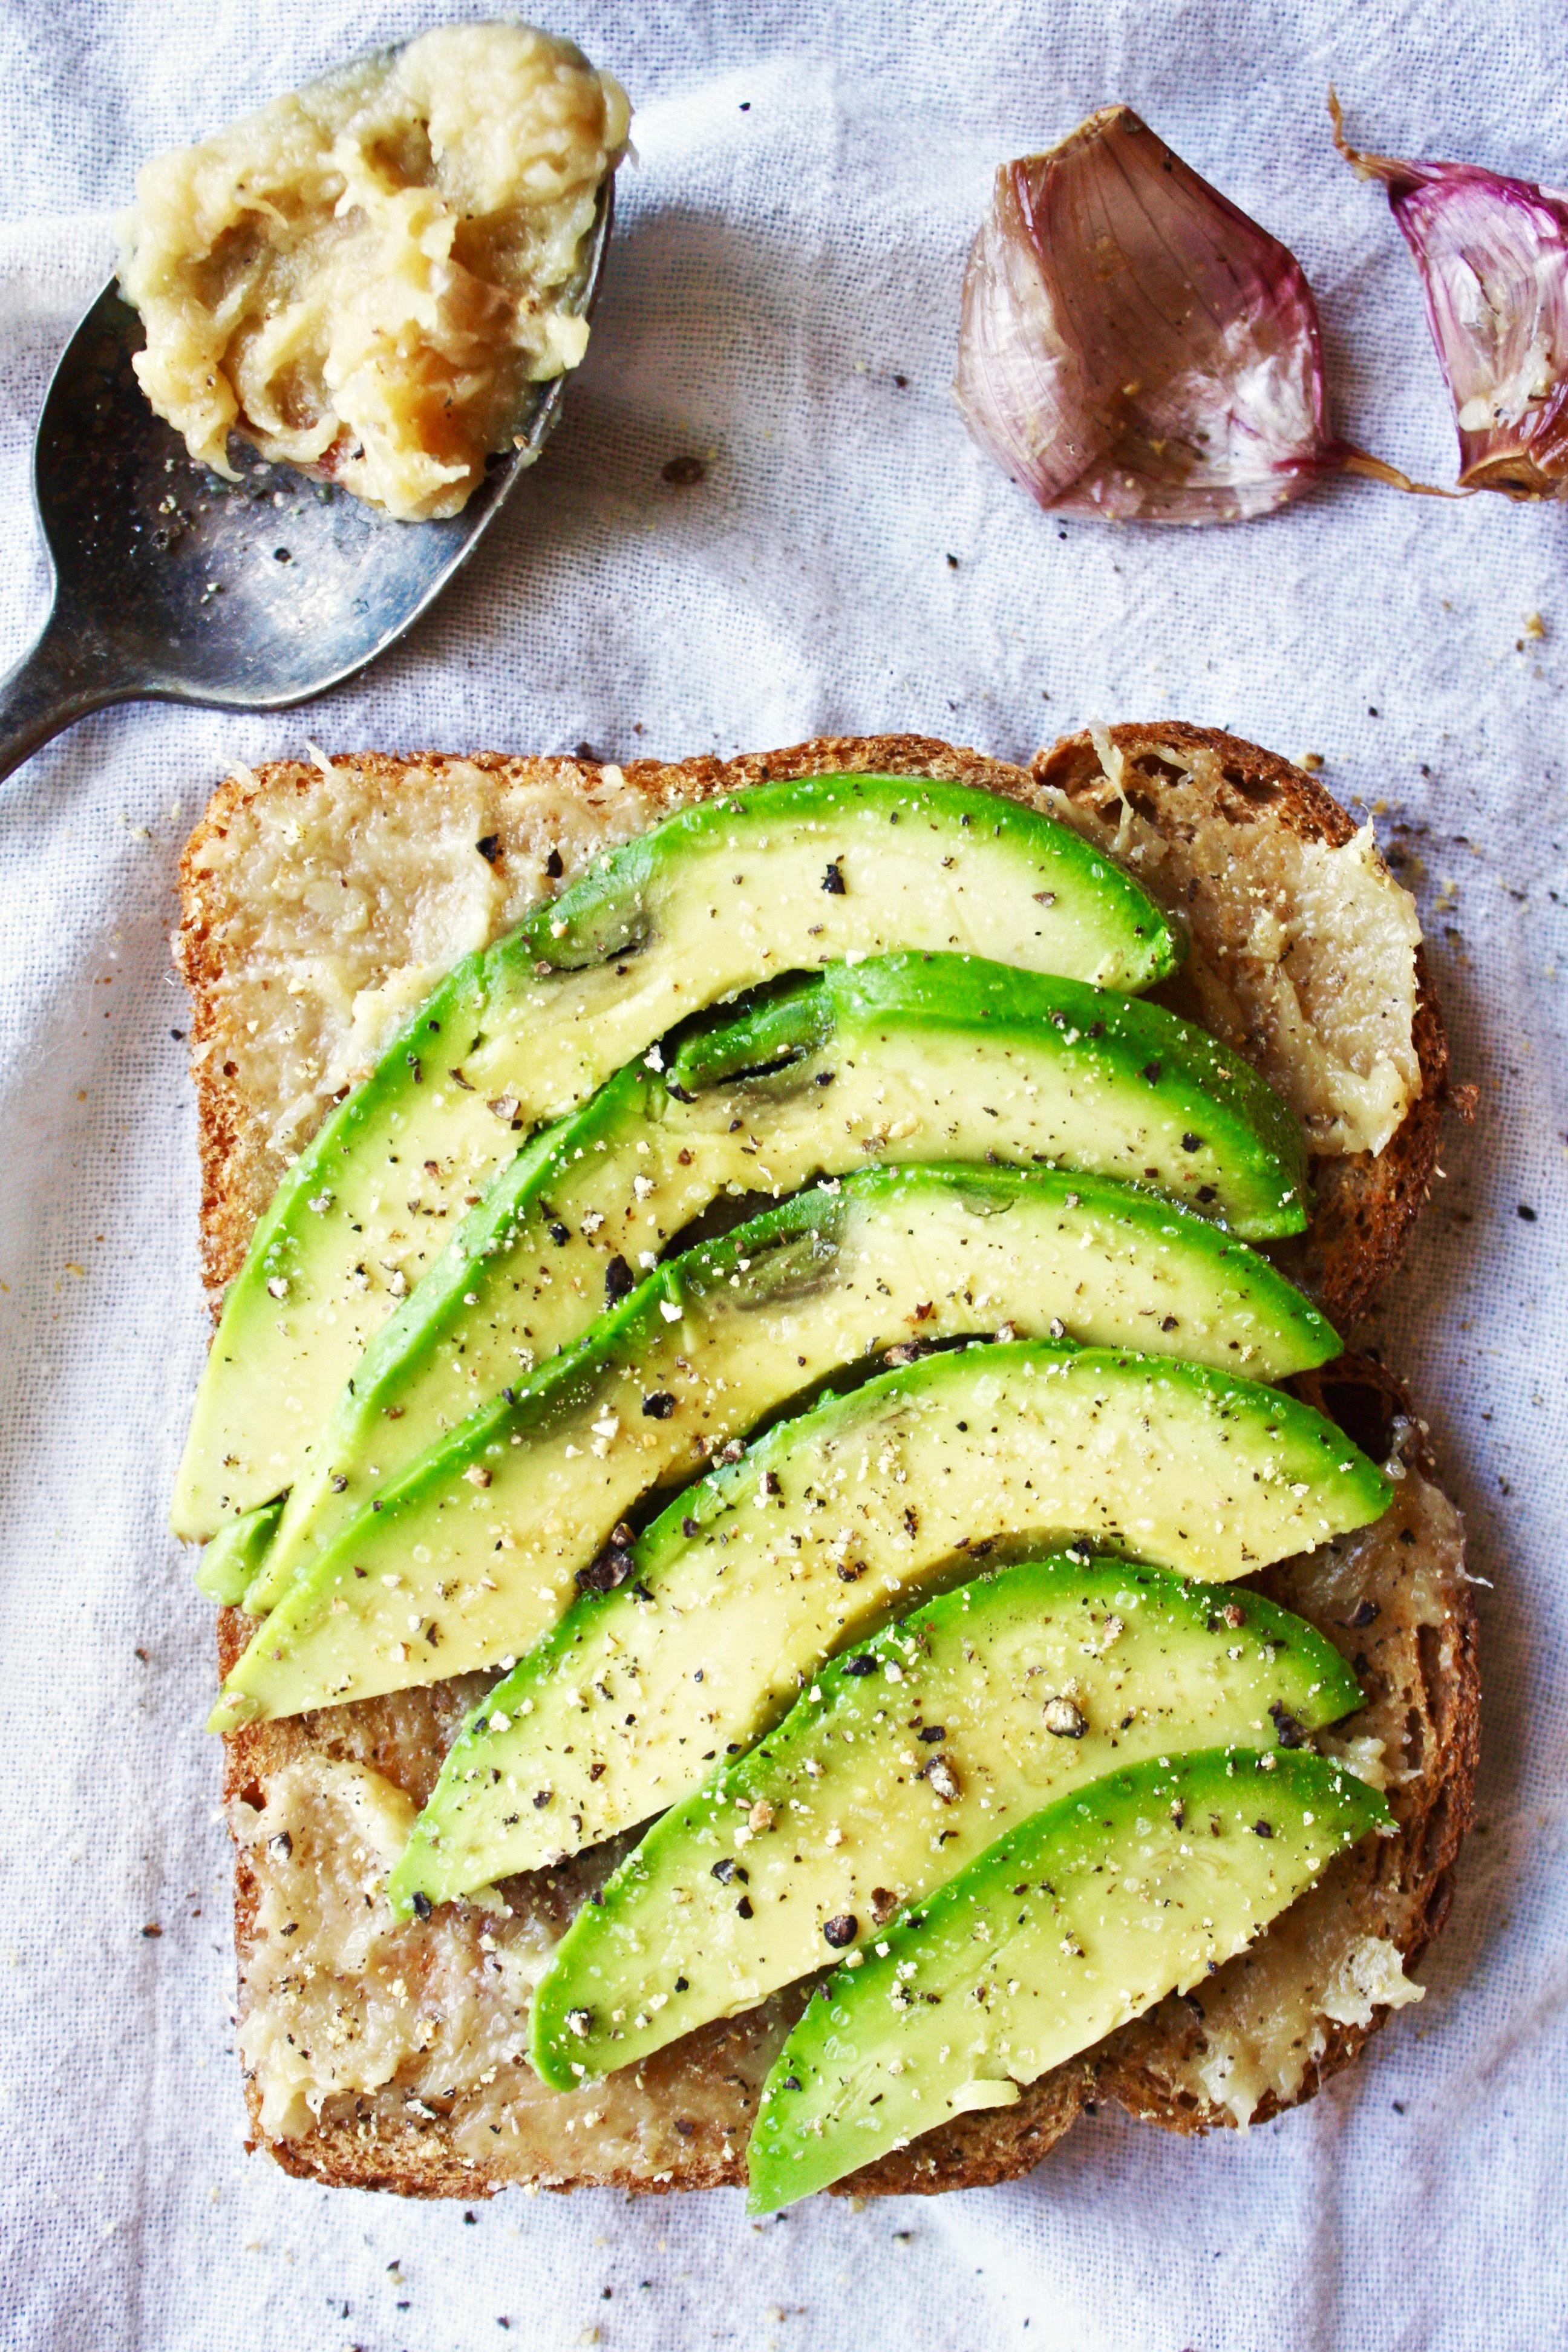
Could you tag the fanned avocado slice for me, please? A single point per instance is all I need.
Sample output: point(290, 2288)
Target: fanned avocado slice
point(838, 1520)
point(1034, 1068)
point(910, 1059)
point(898, 1766)
point(232, 1561)
point(1067, 1927)
point(481, 1543)
point(781, 878)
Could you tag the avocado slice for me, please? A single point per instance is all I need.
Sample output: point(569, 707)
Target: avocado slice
point(729, 1331)
point(1033, 1066)
point(1069, 1925)
point(903, 1761)
point(834, 1522)
point(231, 1562)
point(910, 1059)
point(781, 878)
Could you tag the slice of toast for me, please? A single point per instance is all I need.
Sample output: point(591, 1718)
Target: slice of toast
point(320, 902)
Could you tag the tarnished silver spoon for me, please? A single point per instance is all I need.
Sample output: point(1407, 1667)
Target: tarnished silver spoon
point(174, 585)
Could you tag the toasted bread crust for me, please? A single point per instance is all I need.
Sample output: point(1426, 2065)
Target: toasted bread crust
point(1364, 1204)
point(1362, 1219)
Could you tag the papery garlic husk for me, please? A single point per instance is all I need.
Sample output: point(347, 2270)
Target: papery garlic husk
point(1493, 257)
point(1133, 346)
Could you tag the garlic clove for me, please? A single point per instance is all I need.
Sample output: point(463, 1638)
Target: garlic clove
point(1493, 257)
point(1132, 346)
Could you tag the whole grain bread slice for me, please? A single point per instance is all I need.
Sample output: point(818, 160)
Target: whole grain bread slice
point(681, 2121)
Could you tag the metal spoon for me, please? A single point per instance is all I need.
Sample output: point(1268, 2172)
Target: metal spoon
point(174, 585)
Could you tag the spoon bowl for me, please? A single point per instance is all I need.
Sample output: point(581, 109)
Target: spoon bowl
point(174, 585)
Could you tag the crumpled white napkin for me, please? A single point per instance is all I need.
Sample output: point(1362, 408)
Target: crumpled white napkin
point(781, 301)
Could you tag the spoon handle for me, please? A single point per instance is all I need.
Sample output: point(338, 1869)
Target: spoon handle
point(69, 673)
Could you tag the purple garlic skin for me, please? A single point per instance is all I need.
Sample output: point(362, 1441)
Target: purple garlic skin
point(1133, 346)
point(1493, 257)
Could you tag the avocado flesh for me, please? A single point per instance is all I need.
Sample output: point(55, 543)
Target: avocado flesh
point(909, 1059)
point(900, 1765)
point(1067, 1927)
point(473, 1556)
point(781, 877)
point(232, 1560)
point(835, 1522)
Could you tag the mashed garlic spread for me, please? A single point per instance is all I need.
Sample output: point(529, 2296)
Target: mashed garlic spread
point(1303, 954)
point(339, 900)
point(365, 276)
point(384, 2030)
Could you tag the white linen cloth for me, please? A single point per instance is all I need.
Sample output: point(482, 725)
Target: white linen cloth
point(781, 299)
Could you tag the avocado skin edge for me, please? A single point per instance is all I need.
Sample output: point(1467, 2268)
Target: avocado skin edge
point(230, 1562)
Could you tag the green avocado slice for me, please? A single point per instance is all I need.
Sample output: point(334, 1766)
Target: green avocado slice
point(715, 1340)
point(834, 1522)
point(1036, 1067)
point(901, 1764)
point(780, 877)
point(1069, 1925)
point(910, 1059)
point(231, 1562)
